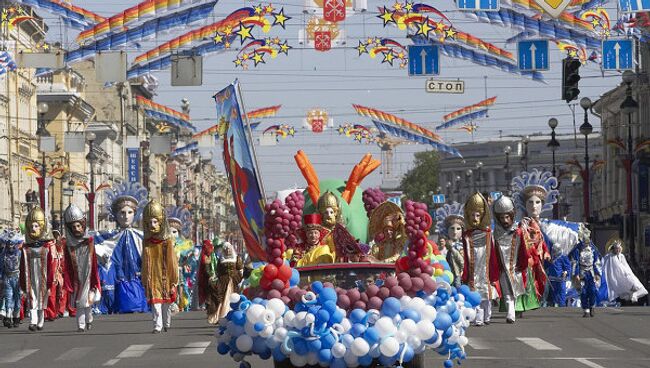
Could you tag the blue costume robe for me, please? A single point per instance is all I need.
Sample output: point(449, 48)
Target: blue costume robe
point(127, 247)
point(554, 270)
point(107, 279)
point(586, 264)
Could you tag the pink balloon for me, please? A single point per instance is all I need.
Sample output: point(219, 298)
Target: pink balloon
point(372, 290)
point(364, 297)
point(359, 304)
point(383, 293)
point(278, 261)
point(397, 292)
point(375, 303)
point(343, 302)
point(328, 285)
point(406, 283)
point(286, 300)
point(417, 284)
point(278, 285)
point(390, 282)
point(273, 294)
point(354, 295)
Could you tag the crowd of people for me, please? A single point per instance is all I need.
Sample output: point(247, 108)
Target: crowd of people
point(46, 275)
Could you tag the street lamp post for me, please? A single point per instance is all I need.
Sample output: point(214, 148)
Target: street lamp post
point(468, 176)
point(586, 129)
point(524, 157)
point(457, 187)
point(553, 144)
point(629, 106)
point(479, 167)
point(506, 151)
point(42, 132)
point(90, 196)
point(448, 193)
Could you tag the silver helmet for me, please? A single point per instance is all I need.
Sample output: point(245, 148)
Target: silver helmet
point(73, 214)
point(503, 205)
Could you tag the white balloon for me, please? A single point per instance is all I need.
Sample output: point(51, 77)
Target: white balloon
point(428, 313)
point(346, 324)
point(279, 322)
point(244, 343)
point(460, 298)
point(277, 306)
point(267, 331)
point(413, 341)
point(338, 350)
point(234, 298)
point(299, 321)
point(360, 347)
point(425, 330)
point(417, 304)
point(347, 340)
point(312, 358)
point(374, 351)
point(250, 329)
point(350, 359)
point(408, 326)
point(279, 334)
point(254, 313)
point(298, 360)
point(462, 340)
point(309, 319)
point(272, 343)
point(401, 336)
point(405, 301)
point(385, 326)
point(289, 318)
point(389, 347)
point(438, 340)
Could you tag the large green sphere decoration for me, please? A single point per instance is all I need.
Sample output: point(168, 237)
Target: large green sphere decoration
point(354, 214)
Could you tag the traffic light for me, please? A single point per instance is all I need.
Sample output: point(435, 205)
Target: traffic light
point(570, 79)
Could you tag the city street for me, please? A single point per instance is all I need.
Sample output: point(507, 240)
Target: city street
point(553, 338)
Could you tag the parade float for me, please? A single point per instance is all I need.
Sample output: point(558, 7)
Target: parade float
point(349, 279)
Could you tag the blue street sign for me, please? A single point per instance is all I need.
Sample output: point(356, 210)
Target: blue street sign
point(533, 55)
point(633, 6)
point(438, 198)
point(133, 162)
point(479, 4)
point(618, 54)
point(423, 60)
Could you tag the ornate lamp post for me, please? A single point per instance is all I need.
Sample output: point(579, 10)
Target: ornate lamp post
point(506, 151)
point(629, 106)
point(553, 144)
point(42, 132)
point(92, 159)
point(586, 129)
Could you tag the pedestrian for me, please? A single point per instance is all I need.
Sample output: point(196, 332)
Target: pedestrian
point(481, 266)
point(10, 259)
point(35, 266)
point(159, 265)
point(586, 266)
point(512, 256)
point(81, 276)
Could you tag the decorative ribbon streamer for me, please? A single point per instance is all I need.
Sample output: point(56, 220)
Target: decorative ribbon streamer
point(566, 17)
point(73, 16)
point(187, 148)
point(7, 62)
point(161, 112)
point(146, 30)
point(264, 112)
point(471, 108)
point(464, 118)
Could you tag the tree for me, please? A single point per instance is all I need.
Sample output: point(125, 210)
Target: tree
point(422, 178)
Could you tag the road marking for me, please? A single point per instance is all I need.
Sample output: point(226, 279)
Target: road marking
point(134, 351)
point(195, 348)
point(111, 362)
point(598, 344)
point(478, 344)
point(18, 355)
point(537, 343)
point(641, 340)
point(588, 363)
point(75, 353)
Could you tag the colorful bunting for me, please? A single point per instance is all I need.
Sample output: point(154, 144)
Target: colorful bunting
point(73, 16)
point(7, 62)
point(393, 52)
point(13, 16)
point(164, 113)
point(280, 131)
point(264, 112)
point(470, 116)
point(471, 108)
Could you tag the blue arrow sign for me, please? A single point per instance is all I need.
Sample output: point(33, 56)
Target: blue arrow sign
point(618, 54)
point(474, 5)
point(633, 6)
point(438, 198)
point(423, 60)
point(533, 55)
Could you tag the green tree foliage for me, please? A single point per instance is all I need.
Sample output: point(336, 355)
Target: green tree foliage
point(422, 178)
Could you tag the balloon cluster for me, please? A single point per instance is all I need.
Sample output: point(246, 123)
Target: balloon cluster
point(316, 331)
point(294, 202)
point(372, 198)
point(278, 222)
point(418, 222)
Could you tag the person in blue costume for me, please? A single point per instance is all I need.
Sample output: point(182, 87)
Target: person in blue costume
point(125, 204)
point(557, 270)
point(190, 273)
point(586, 272)
point(180, 226)
point(107, 280)
point(10, 258)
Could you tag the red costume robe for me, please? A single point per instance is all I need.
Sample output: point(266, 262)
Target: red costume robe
point(58, 296)
point(73, 284)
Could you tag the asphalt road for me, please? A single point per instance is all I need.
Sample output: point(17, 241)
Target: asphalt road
point(553, 338)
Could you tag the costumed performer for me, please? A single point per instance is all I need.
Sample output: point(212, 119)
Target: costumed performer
point(107, 280)
point(586, 272)
point(451, 224)
point(480, 265)
point(313, 234)
point(557, 270)
point(159, 265)
point(180, 225)
point(58, 295)
point(387, 228)
point(229, 275)
point(621, 281)
point(36, 277)
point(209, 282)
point(125, 203)
point(81, 274)
point(10, 259)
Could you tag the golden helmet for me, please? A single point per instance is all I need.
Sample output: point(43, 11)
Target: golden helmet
point(155, 209)
point(328, 199)
point(37, 215)
point(477, 203)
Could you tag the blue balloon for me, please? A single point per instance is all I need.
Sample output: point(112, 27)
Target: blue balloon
point(295, 277)
point(323, 316)
point(330, 306)
point(408, 353)
point(257, 301)
point(464, 289)
point(313, 309)
point(258, 326)
point(300, 346)
point(451, 306)
point(448, 363)
point(223, 348)
point(433, 338)
point(317, 287)
point(371, 335)
point(327, 294)
point(357, 329)
point(314, 345)
point(445, 278)
point(357, 315)
point(338, 363)
point(238, 318)
point(365, 360)
point(325, 356)
point(244, 365)
point(259, 345)
point(448, 332)
point(277, 354)
point(337, 317)
point(455, 316)
point(266, 354)
point(390, 307)
point(229, 314)
point(473, 298)
point(410, 314)
point(443, 321)
point(386, 361)
point(328, 341)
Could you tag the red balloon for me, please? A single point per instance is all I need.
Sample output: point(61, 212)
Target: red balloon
point(406, 283)
point(276, 252)
point(273, 294)
point(286, 300)
point(364, 297)
point(265, 283)
point(277, 262)
point(270, 271)
point(284, 272)
point(277, 284)
point(397, 292)
point(390, 282)
point(354, 295)
point(417, 284)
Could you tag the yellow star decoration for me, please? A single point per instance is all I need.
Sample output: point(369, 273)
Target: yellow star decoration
point(595, 22)
point(440, 27)
point(45, 46)
point(409, 6)
point(388, 57)
point(269, 8)
point(292, 131)
point(258, 58)
point(358, 137)
point(238, 61)
point(258, 9)
point(450, 33)
point(245, 57)
point(401, 55)
point(397, 6)
point(244, 32)
point(424, 28)
point(369, 40)
point(341, 130)
point(284, 48)
point(227, 31)
point(226, 45)
point(276, 41)
point(607, 33)
point(573, 53)
point(362, 48)
point(218, 38)
point(280, 18)
point(386, 16)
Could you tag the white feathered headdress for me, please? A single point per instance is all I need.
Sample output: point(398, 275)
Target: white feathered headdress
point(540, 183)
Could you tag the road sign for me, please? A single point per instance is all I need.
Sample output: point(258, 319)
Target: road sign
point(533, 55)
point(445, 86)
point(438, 198)
point(618, 54)
point(473, 5)
point(633, 6)
point(423, 60)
